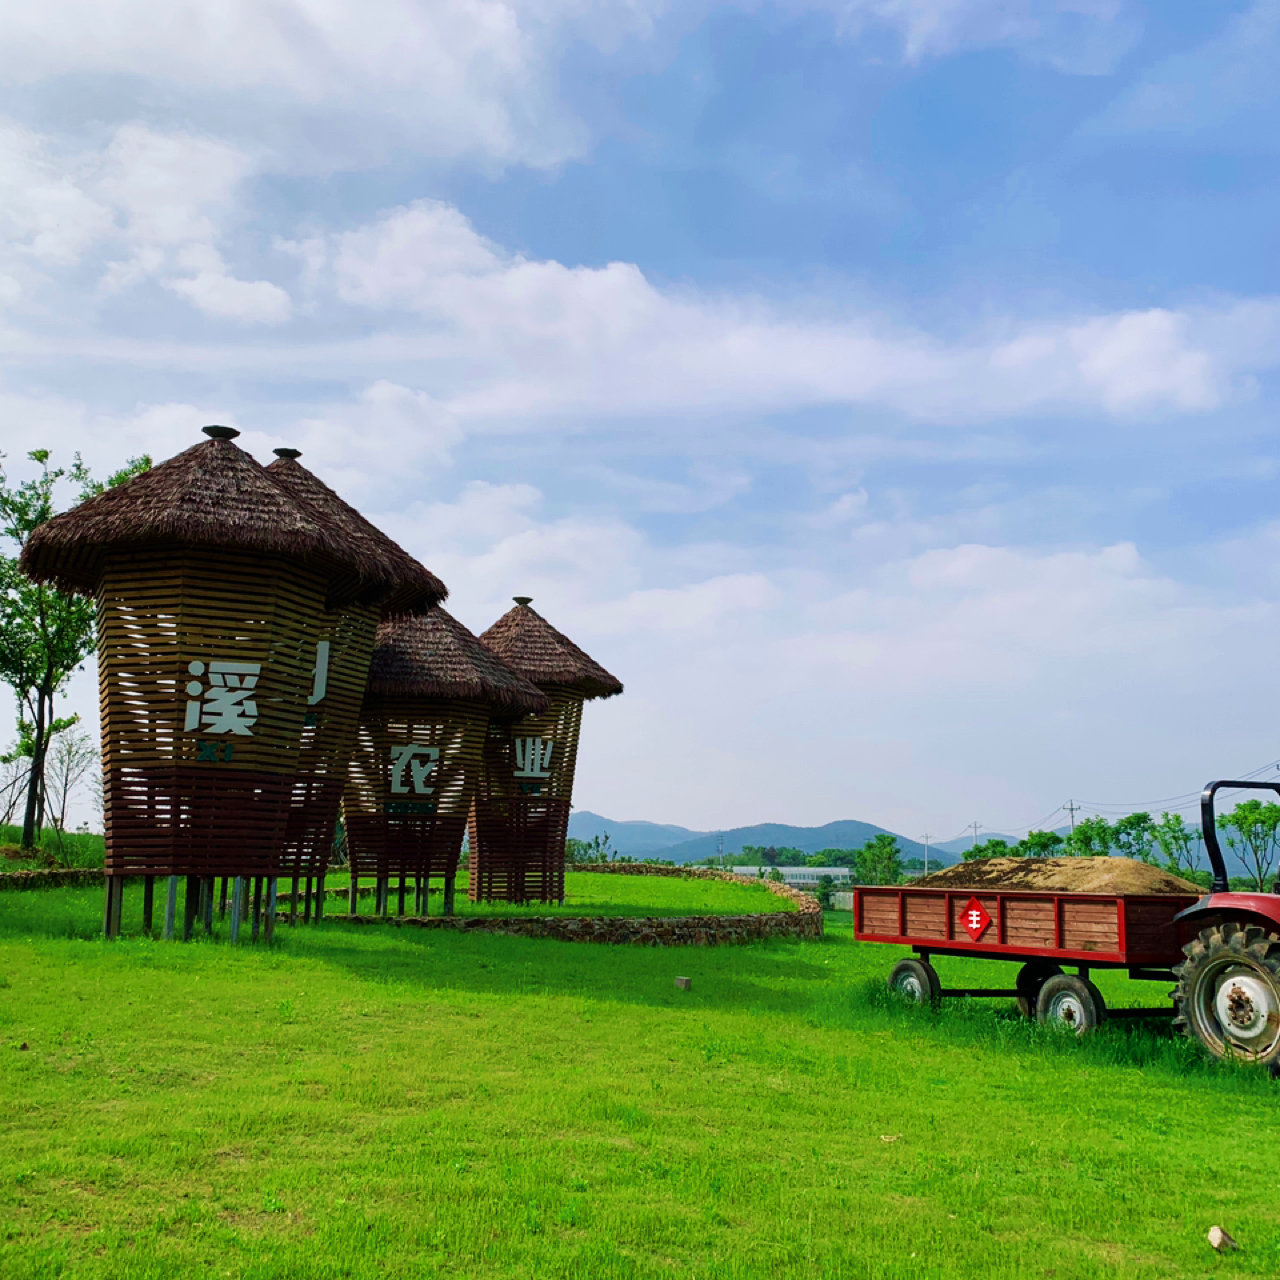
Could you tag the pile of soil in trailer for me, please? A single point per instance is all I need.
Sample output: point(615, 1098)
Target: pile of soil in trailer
point(1112, 876)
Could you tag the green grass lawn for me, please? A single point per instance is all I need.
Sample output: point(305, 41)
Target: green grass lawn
point(390, 1103)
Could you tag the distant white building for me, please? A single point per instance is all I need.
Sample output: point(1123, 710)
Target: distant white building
point(802, 877)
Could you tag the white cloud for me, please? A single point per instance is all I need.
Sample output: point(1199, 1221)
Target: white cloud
point(541, 337)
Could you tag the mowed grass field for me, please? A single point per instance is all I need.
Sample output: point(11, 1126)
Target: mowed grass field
point(368, 1101)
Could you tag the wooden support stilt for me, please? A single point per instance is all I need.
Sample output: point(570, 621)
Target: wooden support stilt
point(353, 894)
point(108, 888)
point(191, 904)
point(237, 907)
point(171, 909)
point(450, 883)
point(114, 909)
point(222, 900)
point(210, 885)
point(403, 886)
point(319, 899)
point(271, 910)
point(257, 907)
point(148, 903)
point(380, 897)
point(293, 902)
point(306, 903)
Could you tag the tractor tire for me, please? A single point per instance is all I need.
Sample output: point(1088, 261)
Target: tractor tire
point(1070, 1002)
point(917, 981)
point(1228, 994)
point(1031, 977)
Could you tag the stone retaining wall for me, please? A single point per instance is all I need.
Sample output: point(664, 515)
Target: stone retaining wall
point(51, 879)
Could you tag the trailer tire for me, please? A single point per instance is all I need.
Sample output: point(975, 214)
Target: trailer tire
point(1031, 977)
point(917, 981)
point(1070, 1002)
point(1228, 994)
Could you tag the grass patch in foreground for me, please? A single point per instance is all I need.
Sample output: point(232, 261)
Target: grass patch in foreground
point(394, 1103)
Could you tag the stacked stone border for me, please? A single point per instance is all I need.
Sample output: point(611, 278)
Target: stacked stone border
point(805, 921)
point(653, 931)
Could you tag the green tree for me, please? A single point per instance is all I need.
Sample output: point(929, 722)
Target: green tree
point(754, 854)
point(1041, 844)
point(1251, 830)
point(1180, 843)
point(45, 634)
point(1135, 837)
point(826, 886)
point(993, 848)
point(879, 861)
point(1091, 838)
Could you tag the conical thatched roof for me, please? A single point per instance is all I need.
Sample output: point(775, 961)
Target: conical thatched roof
point(529, 644)
point(417, 588)
point(432, 655)
point(212, 495)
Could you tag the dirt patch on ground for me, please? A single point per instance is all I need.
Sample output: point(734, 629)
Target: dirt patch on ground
point(1060, 875)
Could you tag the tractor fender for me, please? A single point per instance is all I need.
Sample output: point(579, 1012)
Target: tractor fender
point(1256, 908)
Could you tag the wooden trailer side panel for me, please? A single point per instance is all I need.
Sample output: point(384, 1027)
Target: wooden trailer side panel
point(926, 915)
point(1028, 923)
point(1151, 936)
point(1090, 926)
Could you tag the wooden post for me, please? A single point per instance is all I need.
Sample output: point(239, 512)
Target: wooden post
point(293, 902)
point(306, 903)
point(191, 903)
point(114, 906)
point(171, 909)
point(319, 899)
point(206, 904)
point(380, 897)
point(148, 903)
point(237, 906)
point(403, 886)
point(108, 886)
point(449, 886)
point(353, 895)
point(271, 909)
point(257, 907)
point(222, 900)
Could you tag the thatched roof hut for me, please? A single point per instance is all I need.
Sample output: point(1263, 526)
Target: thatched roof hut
point(417, 587)
point(529, 644)
point(432, 655)
point(433, 693)
point(215, 496)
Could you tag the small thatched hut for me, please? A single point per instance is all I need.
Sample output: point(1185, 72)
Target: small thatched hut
point(211, 583)
point(433, 690)
point(343, 650)
point(521, 814)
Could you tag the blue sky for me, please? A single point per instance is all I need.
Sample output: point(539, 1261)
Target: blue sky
point(883, 389)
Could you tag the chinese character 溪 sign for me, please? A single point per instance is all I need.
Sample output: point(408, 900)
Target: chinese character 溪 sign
point(226, 704)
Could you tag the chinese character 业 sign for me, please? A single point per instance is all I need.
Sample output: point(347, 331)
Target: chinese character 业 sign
point(533, 757)
point(226, 705)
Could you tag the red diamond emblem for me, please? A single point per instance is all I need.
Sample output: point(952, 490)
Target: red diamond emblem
point(975, 919)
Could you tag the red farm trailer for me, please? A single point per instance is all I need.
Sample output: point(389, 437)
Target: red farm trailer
point(1222, 949)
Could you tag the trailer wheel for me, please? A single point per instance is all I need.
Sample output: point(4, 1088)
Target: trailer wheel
point(917, 981)
point(1031, 977)
point(1228, 993)
point(1068, 1001)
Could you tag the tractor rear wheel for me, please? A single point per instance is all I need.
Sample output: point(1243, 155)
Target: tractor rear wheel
point(1070, 1002)
point(1031, 977)
point(917, 981)
point(1228, 993)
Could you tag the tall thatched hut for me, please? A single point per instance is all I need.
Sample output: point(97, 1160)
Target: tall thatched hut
point(520, 817)
point(211, 582)
point(433, 691)
point(343, 650)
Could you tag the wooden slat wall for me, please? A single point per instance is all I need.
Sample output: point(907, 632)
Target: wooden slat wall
point(880, 912)
point(1090, 926)
point(517, 838)
point(159, 608)
point(390, 844)
point(327, 744)
point(1150, 931)
point(1028, 922)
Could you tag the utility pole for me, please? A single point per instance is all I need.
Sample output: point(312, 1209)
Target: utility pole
point(975, 826)
point(926, 853)
point(1071, 808)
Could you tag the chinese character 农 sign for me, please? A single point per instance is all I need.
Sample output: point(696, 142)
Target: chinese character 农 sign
point(226, 704)
point(420, 763)
point(975, 919)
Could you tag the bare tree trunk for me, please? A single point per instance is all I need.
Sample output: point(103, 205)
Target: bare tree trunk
point(35, 782)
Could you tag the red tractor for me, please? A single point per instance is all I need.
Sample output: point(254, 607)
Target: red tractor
point(1223, 950)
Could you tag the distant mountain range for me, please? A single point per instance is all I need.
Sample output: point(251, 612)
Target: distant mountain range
point(679, 844)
